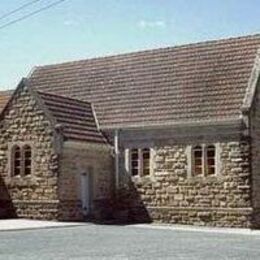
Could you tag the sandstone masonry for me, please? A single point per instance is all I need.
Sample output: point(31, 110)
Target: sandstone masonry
point(76, 159)
point(53, 190)
point(33, 196)
point(170, 195)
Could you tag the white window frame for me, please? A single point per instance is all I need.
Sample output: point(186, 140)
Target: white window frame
point(190, 160)
point(21, 145)
point(128, 162)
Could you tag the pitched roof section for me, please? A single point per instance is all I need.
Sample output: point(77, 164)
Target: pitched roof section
point(195, 82)
point(4, 97)
point(76, 117)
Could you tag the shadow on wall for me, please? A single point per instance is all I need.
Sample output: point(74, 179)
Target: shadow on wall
point(125, 207)
point(129, 205)
point(7, 209)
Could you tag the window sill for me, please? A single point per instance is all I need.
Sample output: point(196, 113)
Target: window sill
point(207, 178)
point(21, 181)
point(138, 178)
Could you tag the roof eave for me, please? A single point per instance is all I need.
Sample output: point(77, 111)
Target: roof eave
point(252, 85)
point(179, 124)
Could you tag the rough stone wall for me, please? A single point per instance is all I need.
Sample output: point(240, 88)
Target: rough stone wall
point(78, 158)
point(35, 195)
point(255, 155)
point(170, 195)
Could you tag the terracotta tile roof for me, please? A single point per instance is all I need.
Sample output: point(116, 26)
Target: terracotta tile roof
point(195, 82)
point(4, 97)
point(76, 117)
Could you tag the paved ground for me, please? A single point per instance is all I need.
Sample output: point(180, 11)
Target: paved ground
point(127, 242)
point(22, 224)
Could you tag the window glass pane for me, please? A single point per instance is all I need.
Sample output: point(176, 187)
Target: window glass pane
point(17, 171)
point(211, 153)
point(146, 161)
point(146, 172)
point(134, 154)
point(146, 153)
point(198, 161)
point(211, 160)
point(146, 164)
point(27, 171)
point(198, 153)
point(27, 160)
point(134, 172)
point(211, 170)
point(17, 163)
point(134, 162)
point(197, 157)
point(16, 160)
point(27, 154)
point(198, 170)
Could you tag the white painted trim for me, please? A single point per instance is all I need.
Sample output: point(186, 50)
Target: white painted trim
point(86, 145)
point(116, 146)
point(31, 71)
point(189, 156)
point(128, 164)
point(21, 144)
point(252, 84)
point(127, 161)
point(152, 162)
point(218, 159)
point(174, 124)
point(95, 116)
point(140, 163)
point(204, 160)
point(190, 159)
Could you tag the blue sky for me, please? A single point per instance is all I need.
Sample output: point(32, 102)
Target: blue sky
point(78, 29)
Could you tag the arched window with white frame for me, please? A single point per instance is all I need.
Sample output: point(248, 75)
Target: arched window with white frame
point(27, 159)
point(20, 160)
point(139, 161)
point(197, 152)
point(134, 159)
point(16, 161)
point(210, 160)
point(204, 160)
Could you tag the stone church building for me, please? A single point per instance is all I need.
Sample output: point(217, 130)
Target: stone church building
point(168, 135)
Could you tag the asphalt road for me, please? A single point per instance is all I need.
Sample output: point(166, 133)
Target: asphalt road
point(125, 242)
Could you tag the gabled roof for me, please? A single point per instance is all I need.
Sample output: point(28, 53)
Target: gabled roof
point(75, 117)
point(191, 83)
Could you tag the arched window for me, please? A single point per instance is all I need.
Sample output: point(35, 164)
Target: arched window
point(21, 160)
point(27, 158)
point(198, 160)
point(16, 161)
point(134, 162)
point(204, 160)
point(211, 165)
point(139, 163)
point(146, 161)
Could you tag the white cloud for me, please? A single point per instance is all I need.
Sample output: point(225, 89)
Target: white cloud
point(143, 24)
point(71, 22)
